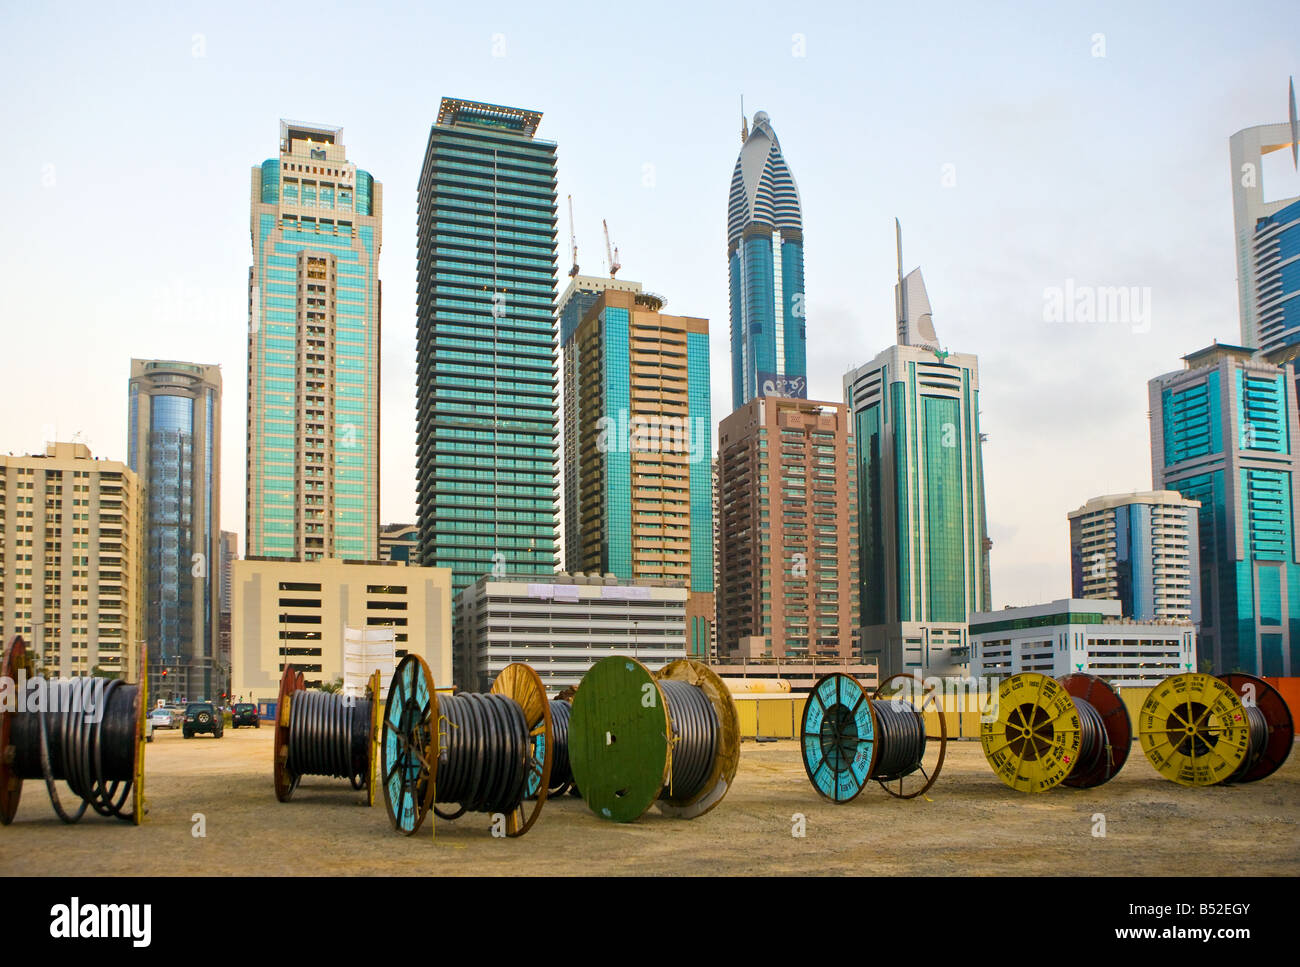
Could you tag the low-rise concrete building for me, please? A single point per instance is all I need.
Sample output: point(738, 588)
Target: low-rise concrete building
point(562, 624)
point(1080, 635)
point(296, 612)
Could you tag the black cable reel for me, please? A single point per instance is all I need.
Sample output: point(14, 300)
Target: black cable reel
point(320, 733)
point(476, 752)
point(638, 738)
point(87, 732)
point(849, 739)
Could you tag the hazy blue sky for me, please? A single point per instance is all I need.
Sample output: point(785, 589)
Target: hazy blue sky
point(129, 134)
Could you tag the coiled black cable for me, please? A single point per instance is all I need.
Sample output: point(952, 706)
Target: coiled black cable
point(83, 734)
point(900, 740)
point(561, 771)
point(483, 759)
point(329, 736)
point(1092, 737)
point(1257, 727)
point(695, 737)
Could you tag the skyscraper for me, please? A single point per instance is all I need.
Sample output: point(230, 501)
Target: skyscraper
point(485, 391)
point(1224, 432)
point(579, 296)
point(1261, 328)
point(922, 532)
point(313, 352)
point(1274, 248)
point(787, 558)
point(641, 495)
point(765, 262)
point(174, 445)
point(1142, 550)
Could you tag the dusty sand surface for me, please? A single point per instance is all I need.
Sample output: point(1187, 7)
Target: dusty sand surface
point(972, 825)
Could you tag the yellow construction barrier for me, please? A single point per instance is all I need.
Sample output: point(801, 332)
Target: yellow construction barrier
point(778, 716)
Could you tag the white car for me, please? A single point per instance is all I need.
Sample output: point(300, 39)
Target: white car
point(161, 718)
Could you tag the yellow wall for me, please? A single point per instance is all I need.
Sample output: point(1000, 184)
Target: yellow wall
point(779, 717)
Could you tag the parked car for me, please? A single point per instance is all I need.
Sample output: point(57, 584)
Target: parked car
point(161, 718)
point(244, 714)
point(202, 717)
point(148, 728)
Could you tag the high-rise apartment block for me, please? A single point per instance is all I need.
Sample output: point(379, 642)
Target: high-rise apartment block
point(71, 560)
point(1140, 549)
point(579, 296)
point(1224, 433)
point(174, 446)
point(643, 450)
point(787, 554)
point(765, 263)
point(313, 352)
point(486, 433)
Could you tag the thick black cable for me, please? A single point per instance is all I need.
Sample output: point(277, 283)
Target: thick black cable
point(1092, 738)
point(84, 734)
point(484, 754)
point(695, 737)
point(561, 771)
point(1257, 728)
point(329, 735)
point(900, 740)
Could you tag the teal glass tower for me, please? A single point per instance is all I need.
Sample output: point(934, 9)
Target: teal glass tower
point(765, 263)
point(486, 432)
point(313, 352)
point(922, 523)
point(1224, 432)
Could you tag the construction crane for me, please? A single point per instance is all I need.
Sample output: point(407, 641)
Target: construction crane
point(611, 251)
point(573, 241)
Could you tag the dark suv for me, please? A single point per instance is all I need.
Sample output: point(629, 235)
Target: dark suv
point(244, 714)
point(201, 717)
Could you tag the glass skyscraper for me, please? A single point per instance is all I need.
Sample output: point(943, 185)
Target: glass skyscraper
point(313, 352)
point(639, 453)
point(1224, 432)
point(1275, 254)
point(174, 446)
point(765, 262)
point(486, 435)
point(923, 533)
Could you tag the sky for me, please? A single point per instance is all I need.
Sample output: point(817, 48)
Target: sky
point(1031, 152)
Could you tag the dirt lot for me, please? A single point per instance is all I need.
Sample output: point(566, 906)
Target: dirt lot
point(972, 825)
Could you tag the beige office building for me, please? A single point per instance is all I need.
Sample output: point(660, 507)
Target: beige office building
point(71, 576)
point(296, 612)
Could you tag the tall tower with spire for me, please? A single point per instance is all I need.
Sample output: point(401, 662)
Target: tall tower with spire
point(765, 262)
point(923, 546)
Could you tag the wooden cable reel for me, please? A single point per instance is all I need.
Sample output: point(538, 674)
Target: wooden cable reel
point(1195, 730)
point(94, 741)
point(639, 738)
point(1041, 732)
point(418, 744)
point(848, 739)
point(356, 750)
point(1266, 756)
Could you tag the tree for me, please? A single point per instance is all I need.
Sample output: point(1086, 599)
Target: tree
point(333, 687)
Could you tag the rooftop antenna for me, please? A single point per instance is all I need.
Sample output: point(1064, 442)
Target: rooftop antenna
point(573, 241)
point(898, 241)
point(1295, 129)
point(744, 124)
point(611, 251)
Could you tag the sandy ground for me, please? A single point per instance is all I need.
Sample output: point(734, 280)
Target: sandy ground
point(971, 825)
